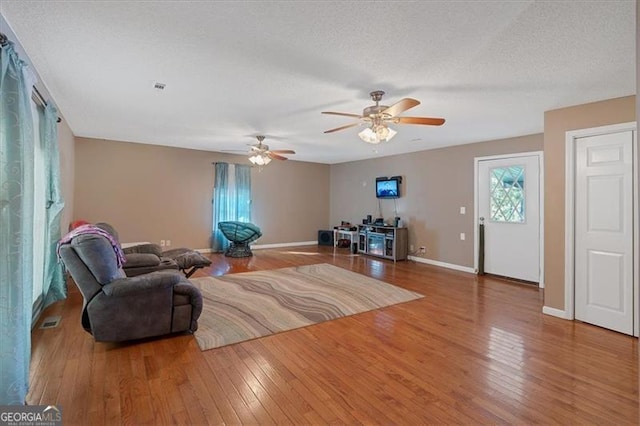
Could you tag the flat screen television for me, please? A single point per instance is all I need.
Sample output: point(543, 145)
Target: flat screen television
point(387, 188)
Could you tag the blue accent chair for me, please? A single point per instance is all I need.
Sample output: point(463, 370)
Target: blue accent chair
point(240, 234)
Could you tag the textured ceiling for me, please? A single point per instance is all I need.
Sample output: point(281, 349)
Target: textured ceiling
point(237, 69)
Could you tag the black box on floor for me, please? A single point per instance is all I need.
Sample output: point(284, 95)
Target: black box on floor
point(325, 238)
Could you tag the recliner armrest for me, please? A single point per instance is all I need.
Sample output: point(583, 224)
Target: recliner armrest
point(136, 260)
point(186, 289)
point(142, 283)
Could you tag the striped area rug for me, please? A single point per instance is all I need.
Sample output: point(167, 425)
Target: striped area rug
point(239, 307)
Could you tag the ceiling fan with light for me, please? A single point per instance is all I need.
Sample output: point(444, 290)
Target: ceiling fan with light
point(377, 118)
point(261, 155)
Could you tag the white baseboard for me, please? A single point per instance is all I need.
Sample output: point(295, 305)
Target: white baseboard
point(555, 312)
point(442, 264)
point(268, 246)
point(139, 243)
point(279, 245)
point(38, 307)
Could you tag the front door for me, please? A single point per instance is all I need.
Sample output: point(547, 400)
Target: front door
point(604, 231)
point(509, 201)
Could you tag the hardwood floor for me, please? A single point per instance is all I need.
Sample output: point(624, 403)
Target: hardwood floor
point(474, 350)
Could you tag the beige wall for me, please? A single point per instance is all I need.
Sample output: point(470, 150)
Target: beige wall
point(66, 146)
point(153, 192)
point(556, 124)
point(436, 183)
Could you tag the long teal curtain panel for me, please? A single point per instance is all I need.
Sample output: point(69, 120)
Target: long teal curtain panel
point(54, 286)
point(16, 232)
point(231, 199)
point(243, 193)
point(221, 208)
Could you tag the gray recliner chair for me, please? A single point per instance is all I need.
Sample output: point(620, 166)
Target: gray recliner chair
point(119, 308)
point(149, 257)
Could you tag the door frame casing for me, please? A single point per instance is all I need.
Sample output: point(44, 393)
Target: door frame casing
point(569, 216)
point(476, 219)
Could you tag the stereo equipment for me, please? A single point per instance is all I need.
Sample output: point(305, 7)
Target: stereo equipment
point(325, 238)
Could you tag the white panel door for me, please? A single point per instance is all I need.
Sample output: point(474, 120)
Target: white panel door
point(509, 202)
point(604, 231)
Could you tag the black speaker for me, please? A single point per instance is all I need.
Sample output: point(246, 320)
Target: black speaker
point(325, 238)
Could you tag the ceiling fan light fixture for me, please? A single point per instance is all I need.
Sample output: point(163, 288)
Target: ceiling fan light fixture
point(391, 134)
point(377, 134)
point(369, 136)
point(260, 160)
point(378, 116)
point(260, 154)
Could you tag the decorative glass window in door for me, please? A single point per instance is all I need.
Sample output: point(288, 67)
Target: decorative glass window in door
point(506, 194)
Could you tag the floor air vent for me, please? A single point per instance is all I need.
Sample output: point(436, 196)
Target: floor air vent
point(50, 322)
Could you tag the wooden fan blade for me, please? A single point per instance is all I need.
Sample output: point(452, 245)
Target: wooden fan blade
point(283, 151)
point(342, 127)
point(431, 121)
point(344, 114)
point(401, 106)
point(275, 156)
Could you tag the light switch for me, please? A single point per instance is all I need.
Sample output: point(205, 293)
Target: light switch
point(463, 210)
point(462, 236)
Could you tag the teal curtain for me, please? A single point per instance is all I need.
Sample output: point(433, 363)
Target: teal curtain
point(54, 286)
point(243, 193)
point(231, 200)
point(16, 232)
point(221, 207)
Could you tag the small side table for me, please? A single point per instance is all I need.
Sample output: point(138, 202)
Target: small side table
point(343, 233)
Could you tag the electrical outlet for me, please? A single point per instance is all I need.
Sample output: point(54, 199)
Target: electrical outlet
point(161, 243)
point(168, 243)
point(423, 250)
point(411, 248)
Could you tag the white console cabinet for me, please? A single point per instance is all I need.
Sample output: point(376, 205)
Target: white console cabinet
point(387, 242)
